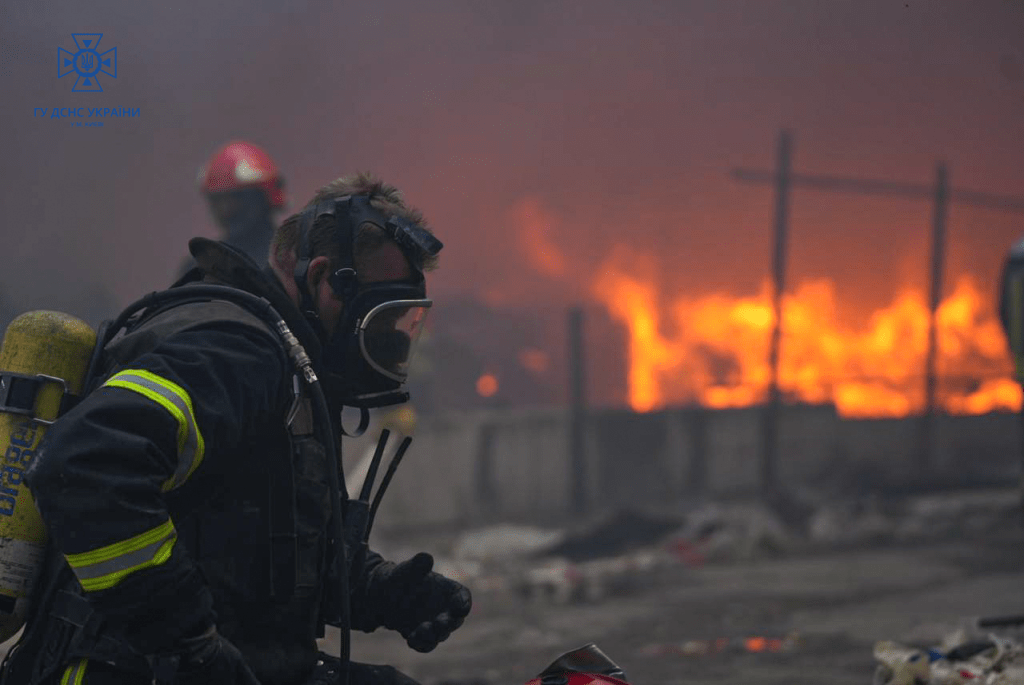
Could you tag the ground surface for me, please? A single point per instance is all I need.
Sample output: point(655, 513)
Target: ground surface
point(833, 604)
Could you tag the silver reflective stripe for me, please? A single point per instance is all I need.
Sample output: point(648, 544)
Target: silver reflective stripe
point(176, 401)
point(105, 567)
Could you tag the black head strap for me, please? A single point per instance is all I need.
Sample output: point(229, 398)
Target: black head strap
point(350, 212)
point(415, 241)
point(306, 221)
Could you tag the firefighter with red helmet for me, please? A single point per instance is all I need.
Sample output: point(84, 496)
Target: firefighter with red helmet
point(244, 188)
point(200, 531)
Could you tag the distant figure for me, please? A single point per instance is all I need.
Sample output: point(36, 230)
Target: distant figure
point(1011, 313)
point(244, 188)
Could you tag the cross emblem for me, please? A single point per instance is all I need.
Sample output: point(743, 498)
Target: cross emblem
point(87, 63)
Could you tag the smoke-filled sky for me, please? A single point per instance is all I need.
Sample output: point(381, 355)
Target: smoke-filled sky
point(578, 126)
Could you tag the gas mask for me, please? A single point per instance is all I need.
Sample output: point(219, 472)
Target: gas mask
point(366, 359)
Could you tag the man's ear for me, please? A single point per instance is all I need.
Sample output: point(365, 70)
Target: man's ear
point(281, 258)
point(319, 270)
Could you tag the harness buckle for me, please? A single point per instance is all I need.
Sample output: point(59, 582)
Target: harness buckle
point(19, 393)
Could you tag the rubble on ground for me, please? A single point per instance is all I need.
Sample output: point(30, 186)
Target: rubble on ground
point(615, 534)
point(959, 660)
point(616, 553)
point(738, 532)
point(504, 541)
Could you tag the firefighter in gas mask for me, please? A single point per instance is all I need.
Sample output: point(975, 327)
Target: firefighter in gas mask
point(190, 497)
point(244, 190)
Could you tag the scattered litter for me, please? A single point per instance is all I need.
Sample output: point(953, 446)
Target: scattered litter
point(992, 660)
point(719, 533)
point(504, 541)
point(935, 516)
point(731, 645)
point(899, 665)
point(560, 581)
point(615, 535)
point(623, 552)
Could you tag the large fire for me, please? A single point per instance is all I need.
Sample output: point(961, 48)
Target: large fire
point(713, 349)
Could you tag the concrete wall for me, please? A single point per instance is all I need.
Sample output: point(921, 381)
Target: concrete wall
point(477, 467)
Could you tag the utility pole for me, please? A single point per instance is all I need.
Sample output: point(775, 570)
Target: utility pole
point(927, 441)
point(772, 411)
point(942, 195)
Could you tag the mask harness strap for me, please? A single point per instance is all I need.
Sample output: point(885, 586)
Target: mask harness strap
point(302, 259)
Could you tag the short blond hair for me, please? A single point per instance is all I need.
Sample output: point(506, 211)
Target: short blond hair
point(384, 197)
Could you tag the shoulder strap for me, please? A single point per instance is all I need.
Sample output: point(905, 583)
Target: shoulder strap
point(146, 334)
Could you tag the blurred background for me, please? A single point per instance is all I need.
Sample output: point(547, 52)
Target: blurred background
point(568, 154)
point(605, 178)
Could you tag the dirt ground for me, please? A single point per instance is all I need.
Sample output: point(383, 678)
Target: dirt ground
point(831, 606)
point(827, 608)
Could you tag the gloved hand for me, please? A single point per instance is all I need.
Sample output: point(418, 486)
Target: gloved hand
point(423, 606)
point(206, 659)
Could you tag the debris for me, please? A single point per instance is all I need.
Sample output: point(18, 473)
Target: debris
point(752, 645)
point(991, 661)
point(900, 665)
point(503, 542)
point(934, 516)
point(560, 581)
point(737, 532)
point(615, 535)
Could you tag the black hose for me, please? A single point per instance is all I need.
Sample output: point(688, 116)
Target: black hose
point(371, 473)
point(392, 467)
point(340, 561)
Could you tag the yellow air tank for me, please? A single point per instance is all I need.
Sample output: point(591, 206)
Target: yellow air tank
point(44, 356)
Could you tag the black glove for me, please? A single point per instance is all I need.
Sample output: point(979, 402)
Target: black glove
point(424, 607)
point(206, 659)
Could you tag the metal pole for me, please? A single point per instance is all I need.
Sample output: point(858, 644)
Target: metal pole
point(577, 412)
point(927, 454)
point(770, 428)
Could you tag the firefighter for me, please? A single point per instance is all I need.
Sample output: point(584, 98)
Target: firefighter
point(244, 189)
point(1011, 313)
point(188, 498)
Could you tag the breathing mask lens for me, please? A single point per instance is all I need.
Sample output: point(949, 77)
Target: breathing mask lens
point(388, 335)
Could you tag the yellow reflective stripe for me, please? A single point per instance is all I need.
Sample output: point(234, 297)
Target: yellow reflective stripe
point(176, 401)
point(74, 673)
point(107, 566)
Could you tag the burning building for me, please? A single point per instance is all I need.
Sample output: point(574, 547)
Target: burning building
point(652, 345)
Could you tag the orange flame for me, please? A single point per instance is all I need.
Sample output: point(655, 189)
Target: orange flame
point(487, 385)
point(713, 349)
point(755, 644)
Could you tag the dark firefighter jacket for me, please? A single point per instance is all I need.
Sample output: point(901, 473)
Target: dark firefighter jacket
point(170, 490)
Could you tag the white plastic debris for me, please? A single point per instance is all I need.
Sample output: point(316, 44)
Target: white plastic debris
point(504, 541)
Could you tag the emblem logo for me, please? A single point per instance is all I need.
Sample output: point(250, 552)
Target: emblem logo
point(87, 63)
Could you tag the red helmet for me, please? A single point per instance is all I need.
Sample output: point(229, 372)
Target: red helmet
point(587, 665)
point(577, 679)
point(240, 165)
